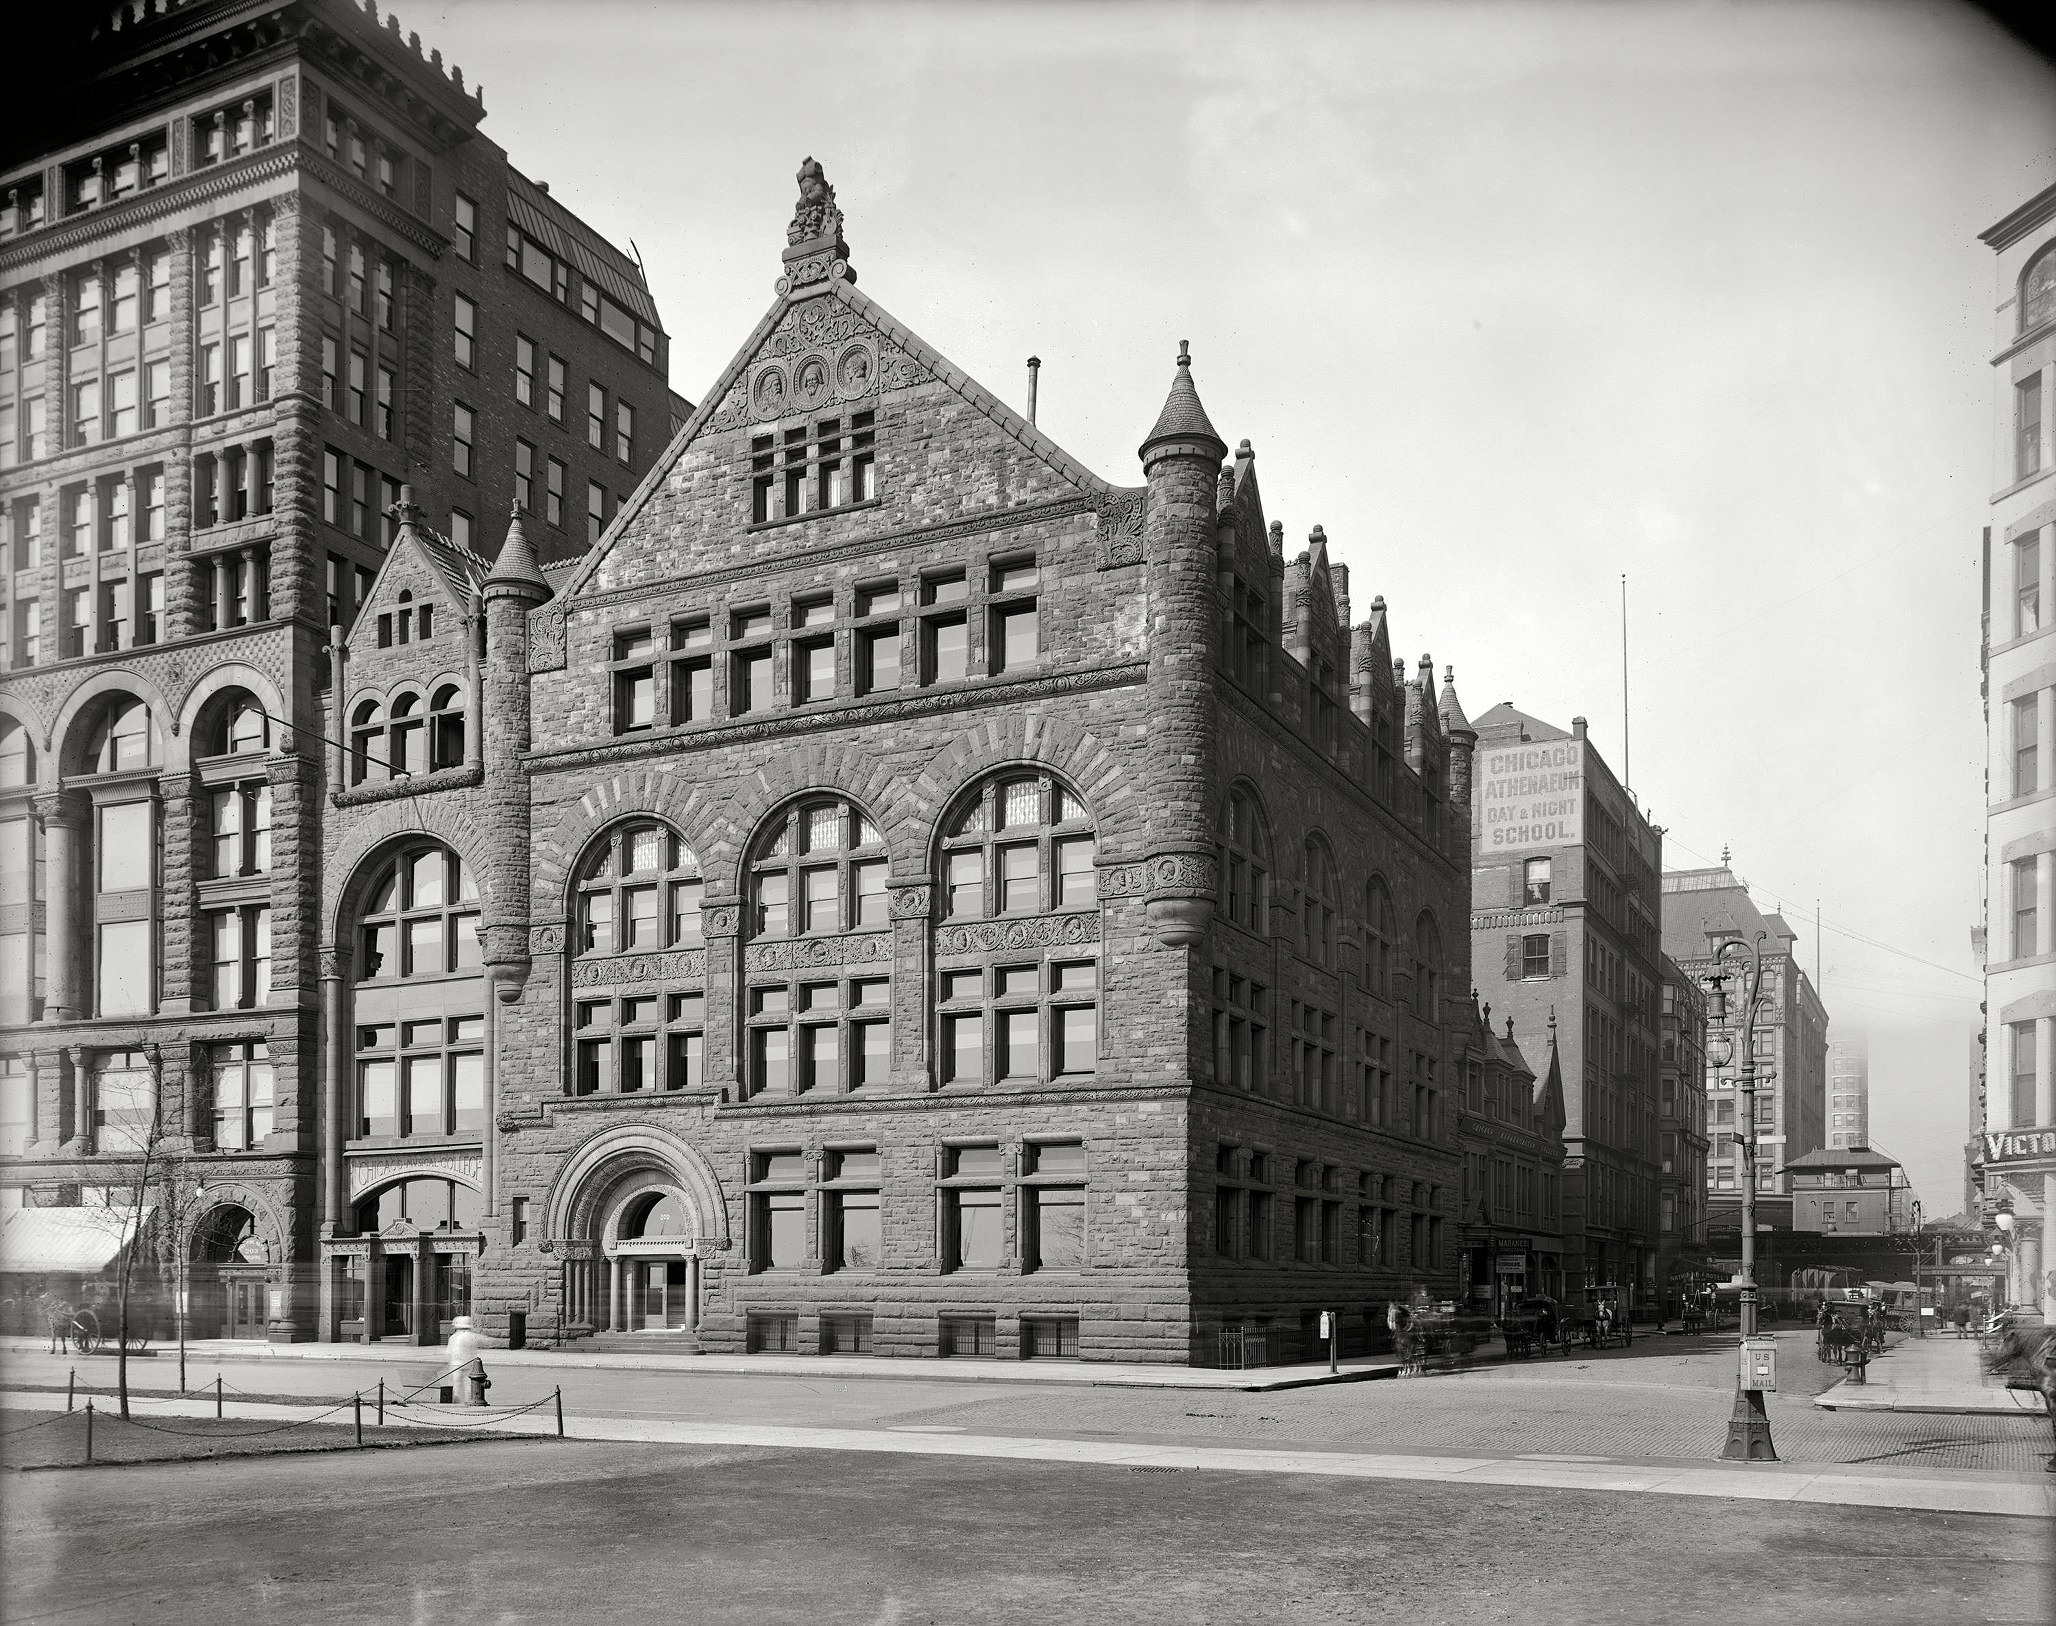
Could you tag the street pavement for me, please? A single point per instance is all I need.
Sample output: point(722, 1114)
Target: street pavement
point(1937, 1374)
point(543, 1531)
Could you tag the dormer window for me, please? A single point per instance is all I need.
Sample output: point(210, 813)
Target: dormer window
point(813, 468)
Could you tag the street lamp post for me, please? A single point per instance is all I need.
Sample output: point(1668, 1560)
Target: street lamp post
point(1749, 1427)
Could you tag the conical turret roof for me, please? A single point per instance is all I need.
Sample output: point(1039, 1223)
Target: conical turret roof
point(1183, 418)
point(1451, 707)
point(516, 564)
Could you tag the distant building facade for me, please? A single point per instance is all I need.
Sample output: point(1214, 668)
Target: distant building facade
point(1849, 1091)
point(259, 269)
point(1509, 1133)
point(1701, 909)
point(1849, 1191)
point(1681, 1249)
point(1565, 923)
point(2019, 660)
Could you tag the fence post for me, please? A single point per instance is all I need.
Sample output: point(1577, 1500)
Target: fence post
point(89, 1429)
point(381, 1402)
point(217, 1397)
point(71, 1380)
point(357, 1415)
point(560, 1411)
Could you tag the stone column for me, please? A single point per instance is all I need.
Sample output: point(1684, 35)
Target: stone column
point(720, 923)
point(692, 1293)
point(135, 573)
point(64, 818)
point(340, 1088)
point(181, 845)
point(81, 1100)
point(913, 936)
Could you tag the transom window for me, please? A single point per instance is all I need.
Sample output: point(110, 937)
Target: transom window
point(640, 890)
point(818, 1037)
point(2038, 291)
point(620, 1041)
point(1245, 861)
point(1019, 846)
point(420, 918)
point(421, 1076)
point(820, 867)
point(1022, 1023)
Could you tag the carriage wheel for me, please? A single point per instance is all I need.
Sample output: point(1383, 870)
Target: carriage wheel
point(85, 1331)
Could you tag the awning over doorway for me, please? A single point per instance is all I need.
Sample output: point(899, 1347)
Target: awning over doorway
point(67, 1241)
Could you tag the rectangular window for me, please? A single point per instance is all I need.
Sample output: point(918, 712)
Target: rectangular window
point(122, 403)
point(856, 1239)
point(946, 652)
point(524, 476)
point(2027, 724)
point(750, 682)
point(2026, 920)
point(813, 671)
point(465, 331)
point(595, 417)
point(2027, 585)
point(1535, 882)
point(1535, 955)
point(2023, 1081)
point(2027, 420)
point(963, 1049)
point(464, 224)
point(595, 511)
point(524, 370)
point(267, 370)
point(624, 431)
point(972, 1217)
point(553, 492)
point(85, 408)
point(358, 395)
point(460, 451)
point(553, 400)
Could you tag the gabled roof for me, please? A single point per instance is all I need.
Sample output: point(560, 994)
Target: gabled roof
point(1842, 1157)
point(733, 377)
point(1505, 719)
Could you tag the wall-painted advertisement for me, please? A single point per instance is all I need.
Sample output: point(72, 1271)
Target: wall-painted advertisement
point(1531, 795)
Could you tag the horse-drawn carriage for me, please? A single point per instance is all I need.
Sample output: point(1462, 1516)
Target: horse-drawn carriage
point(1431, 1332)
point(1849, 1330)
point(1601, 1321)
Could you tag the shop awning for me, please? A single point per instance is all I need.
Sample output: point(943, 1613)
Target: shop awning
point(66, 1241)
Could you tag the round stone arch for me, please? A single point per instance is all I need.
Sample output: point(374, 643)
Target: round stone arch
point(653, 793)
point(18, 704)
point(601, 1167)
point(558, 901)
point(385, 824)
point(829, 768)
point(216, 681)
point(272, 1229)
point(64, 731)
point(1022, 739)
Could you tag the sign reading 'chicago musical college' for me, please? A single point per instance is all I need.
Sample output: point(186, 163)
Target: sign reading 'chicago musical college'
point(1532, 795)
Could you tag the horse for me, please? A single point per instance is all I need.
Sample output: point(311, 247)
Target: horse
point(2028, 1355)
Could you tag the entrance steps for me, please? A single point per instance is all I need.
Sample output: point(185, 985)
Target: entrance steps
point(632, 1343)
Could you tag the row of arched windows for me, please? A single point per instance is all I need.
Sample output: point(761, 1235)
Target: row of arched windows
point(411, 733)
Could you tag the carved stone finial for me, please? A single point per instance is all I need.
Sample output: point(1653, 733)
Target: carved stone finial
point(1184, 352)
point(815, 215)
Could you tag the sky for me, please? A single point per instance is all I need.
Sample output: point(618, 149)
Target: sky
point(1510, 298)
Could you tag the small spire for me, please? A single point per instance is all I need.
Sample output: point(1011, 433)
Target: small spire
point(516, 563)
point(1723, 855)
point(1183, 418)
point(1277, 537)
point(1451, 707)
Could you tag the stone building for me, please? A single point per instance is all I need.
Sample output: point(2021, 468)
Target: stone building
point(258, 268)
point(927, 899)
point(1564, 923)
point(1703, 908)
point(1509, 1134)
point(2017, 1164)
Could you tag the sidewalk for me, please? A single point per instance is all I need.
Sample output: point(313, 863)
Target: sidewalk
point(1108, 1374)
point(1932, 1375)
point(1843, 1485)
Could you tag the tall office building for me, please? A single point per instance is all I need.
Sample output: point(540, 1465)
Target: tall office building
point(1565, 924)
point(1849, 1091)
point(259, 269)
point(2019, 659)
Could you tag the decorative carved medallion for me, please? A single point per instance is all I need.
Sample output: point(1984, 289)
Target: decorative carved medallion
point(720, 921)
point(810, 382)
point(1182, 875)
point(768, 392)
point(1041, 931)
point(545, 940)
point(629, 970)
point(1123, 881)
point(911, 902)
point(799, 953)
point(854, 370)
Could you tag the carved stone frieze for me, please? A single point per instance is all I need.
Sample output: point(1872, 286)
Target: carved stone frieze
point(1118, 522)
point(545, 940)
point(629, 970)
point(1038, 931)
point(1189, 875)
point(911, 902)
point(801, 953)
point(720, 920)
point(1123, 881)
point(546, 641)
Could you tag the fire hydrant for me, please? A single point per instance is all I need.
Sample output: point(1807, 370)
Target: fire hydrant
point(464, 1346)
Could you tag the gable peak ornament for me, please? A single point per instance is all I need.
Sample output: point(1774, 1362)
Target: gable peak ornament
point(814, 249)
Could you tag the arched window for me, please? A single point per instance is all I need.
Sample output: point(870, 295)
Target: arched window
point(660, 1214)
point(446, 726)
point(1245, 861)
point(406, 737)
point(2038, 290)
point(124, 737)
point(1018, 845)
point(1427, 968)
point(426, 1204)
point(1378, 932)
point(420, 917)
point(17, 755)
point(235, 725)
point(1320, 905)
point(367, 743)
point(819, 867)
point(640, 890)
point(404, 619)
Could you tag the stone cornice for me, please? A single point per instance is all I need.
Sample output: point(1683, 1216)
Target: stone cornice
point(852, 714)
point(421, 784)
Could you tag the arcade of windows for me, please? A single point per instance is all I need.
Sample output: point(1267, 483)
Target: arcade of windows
point(411, 734)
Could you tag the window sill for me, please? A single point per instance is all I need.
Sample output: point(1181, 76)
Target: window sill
point(813, 513)
point(423, 784)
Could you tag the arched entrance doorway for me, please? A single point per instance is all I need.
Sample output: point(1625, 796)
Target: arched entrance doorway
point(227, 1277)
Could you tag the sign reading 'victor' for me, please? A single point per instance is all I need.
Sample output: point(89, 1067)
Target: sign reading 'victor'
point(1532, 795)
point(2021, 1143)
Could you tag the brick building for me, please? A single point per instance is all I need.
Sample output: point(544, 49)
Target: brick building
point(1564, 924)
point(1849, 1091)
point(1701, 909)
point(930, 900)
point(258, 268)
